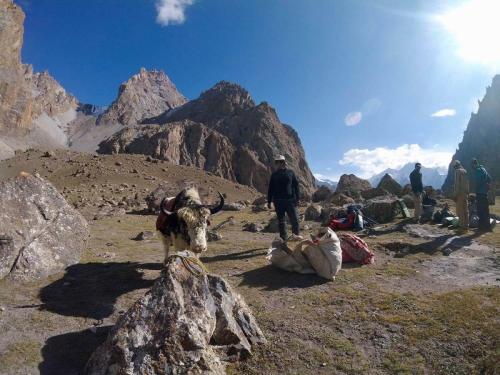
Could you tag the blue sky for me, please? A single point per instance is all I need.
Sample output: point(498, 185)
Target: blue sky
point(358, 79)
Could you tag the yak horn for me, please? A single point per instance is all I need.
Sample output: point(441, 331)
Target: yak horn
point(163, 209)
point(214, 210)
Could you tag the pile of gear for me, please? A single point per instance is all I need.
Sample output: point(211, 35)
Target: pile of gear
point(323, 254)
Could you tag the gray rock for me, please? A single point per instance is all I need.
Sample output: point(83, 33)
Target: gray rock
point(233, 207)
point(408, 199)
point(154, 198)
point(260, 201)
point(382, 210)
point(373, 193)
point(109, 211)
point(272, 226)
point(324, 193)
point(146, 235)
point(41, 233)
point(259, 208)
point(213, 236)
point(391, 185)
point(186, 324)
point(313, 212)
point(253, 227)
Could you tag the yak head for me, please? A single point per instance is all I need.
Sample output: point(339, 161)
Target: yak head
point(189, 220)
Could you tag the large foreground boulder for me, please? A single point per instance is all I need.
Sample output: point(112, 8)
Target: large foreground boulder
point(188, 323)
point(382, 210)
point(40, 232)
point(352, 185)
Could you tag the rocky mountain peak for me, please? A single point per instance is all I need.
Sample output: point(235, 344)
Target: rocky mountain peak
point(230, 93)
point(482, 137)
point(145, 95)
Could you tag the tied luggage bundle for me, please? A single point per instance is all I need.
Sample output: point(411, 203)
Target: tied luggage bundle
point(354, 249)
point(322, 256)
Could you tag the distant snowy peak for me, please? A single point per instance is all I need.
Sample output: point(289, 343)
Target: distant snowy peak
point(430, 176)
point(326, 182)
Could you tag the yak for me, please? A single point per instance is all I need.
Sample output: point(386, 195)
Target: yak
point(183, 221)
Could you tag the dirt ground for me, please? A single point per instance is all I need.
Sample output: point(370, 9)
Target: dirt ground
point(429, 305)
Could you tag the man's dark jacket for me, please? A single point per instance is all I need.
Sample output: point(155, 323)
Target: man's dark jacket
point(283, 185)
point(416, 181)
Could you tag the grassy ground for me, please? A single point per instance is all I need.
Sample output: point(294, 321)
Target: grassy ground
point(393, 317)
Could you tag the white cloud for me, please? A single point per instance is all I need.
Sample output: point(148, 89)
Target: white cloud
point(370, 162)
point(353, 118)
point(171, 12)
point(445, 112)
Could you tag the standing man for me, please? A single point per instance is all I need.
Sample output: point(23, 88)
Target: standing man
point(461, 195)
point(417, 189)
point(482, 182)
point(284, 193)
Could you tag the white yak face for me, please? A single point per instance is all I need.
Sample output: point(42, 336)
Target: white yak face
point(196, 220)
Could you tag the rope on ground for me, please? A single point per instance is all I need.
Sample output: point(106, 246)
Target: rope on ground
point(192, 264)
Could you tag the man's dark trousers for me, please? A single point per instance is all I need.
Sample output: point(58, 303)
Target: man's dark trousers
point(286, 206)
point(483, 211)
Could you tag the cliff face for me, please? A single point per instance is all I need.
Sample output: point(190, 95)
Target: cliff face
point(243, 137)
point(34, 108)
point(146, 94)
point(482, 137)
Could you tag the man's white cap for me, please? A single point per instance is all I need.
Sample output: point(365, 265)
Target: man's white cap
point(279, 158)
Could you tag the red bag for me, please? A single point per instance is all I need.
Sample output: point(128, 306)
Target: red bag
point(354, 249)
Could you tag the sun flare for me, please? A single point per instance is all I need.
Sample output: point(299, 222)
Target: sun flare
point(476, 28)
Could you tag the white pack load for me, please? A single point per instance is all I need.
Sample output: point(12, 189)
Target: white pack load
point(325, 255)
point(322, 256)
point(289, 260)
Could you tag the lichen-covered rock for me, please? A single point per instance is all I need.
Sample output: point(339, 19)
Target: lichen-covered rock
point(42, 233)
point(186, 324)
point(313, 212)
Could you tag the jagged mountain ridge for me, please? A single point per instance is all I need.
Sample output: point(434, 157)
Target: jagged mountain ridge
point(223, 121)
point(430, 176)
point(481, 138)
point(222, 131)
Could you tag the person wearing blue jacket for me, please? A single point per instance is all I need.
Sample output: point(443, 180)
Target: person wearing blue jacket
point(482, 181)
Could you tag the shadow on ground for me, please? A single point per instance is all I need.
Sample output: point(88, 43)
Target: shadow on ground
point(68, 353)
point(235, 256)
point(273, 278)
point(90, 290)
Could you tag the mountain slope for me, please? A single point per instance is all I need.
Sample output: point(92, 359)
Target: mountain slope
point(482, 137)
point(244, 138)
